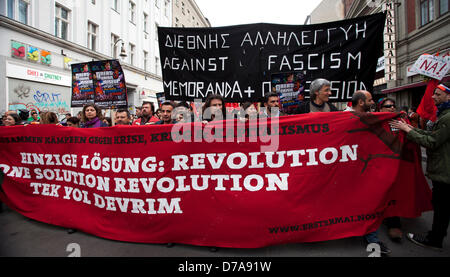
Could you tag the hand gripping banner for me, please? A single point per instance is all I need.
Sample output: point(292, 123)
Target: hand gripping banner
point(302, 178)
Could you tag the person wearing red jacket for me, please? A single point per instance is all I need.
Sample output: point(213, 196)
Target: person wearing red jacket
point(147, 116)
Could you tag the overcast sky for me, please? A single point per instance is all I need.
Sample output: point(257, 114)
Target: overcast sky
point(234, 12)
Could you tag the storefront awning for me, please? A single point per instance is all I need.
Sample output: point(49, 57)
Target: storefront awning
point(409, 86)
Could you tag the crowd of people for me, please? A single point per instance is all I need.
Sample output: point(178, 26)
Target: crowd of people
point(434, 137)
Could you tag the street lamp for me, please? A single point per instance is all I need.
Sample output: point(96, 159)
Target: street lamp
point(123, 53)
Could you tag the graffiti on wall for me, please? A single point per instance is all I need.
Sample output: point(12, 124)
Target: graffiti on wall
point(39, 97)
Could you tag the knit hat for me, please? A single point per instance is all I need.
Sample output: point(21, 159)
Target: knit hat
point(443, 88)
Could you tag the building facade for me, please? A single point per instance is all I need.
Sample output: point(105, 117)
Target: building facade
point(413, 28)
point(40, 39)
point(326, 11)
point(186, 13)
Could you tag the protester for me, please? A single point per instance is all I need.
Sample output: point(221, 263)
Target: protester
point(64, 121)
point(138, 112)
point(123, 117)
point(182, 113)
point(73, 122)
point(34, 118)
point(319, 91)
point(91, 117)
point(248, 111)
point(393, 223)
point(107, 120)
point(49, 118)
point(23, 114)
point(158, 114)
point(214, 108)
point(414, 118)
point(166, 113)
point(362, 101)
point(271, 106)
point(146, 114)
point(386, 105)
point(12, 119)
point(437, 143)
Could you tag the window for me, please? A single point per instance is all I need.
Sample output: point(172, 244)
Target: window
point(145, 22)
point(132, 48)
point(18, 10)
point(114, 47)
point(132, 11)
point(23, 11)
point(443, 6)
point(156, 31)
point(115, 5)
point(145, 60)
point(61, 22)
point(426, 11)
point(166, 8)
point(92, 36)
point(157, 66)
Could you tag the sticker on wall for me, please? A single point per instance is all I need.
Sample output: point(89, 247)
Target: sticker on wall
point(33, 54)
point(46, 57)
point(67, 63)
point(17, 50)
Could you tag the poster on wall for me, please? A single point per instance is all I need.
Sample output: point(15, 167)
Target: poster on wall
point(99, 82)
point(290, 86)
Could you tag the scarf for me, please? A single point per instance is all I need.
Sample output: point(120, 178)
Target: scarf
point(93, 123)
point(442, 107)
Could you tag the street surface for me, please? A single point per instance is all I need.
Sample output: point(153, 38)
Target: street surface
point(23, 237)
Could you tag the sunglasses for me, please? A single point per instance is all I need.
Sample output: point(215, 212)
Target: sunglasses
point(388, 106)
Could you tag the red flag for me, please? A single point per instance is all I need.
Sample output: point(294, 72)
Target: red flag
point(427, 109)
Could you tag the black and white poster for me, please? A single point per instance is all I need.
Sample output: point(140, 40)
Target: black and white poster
point(238, 61)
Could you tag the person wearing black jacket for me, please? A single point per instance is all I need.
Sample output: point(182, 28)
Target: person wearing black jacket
point(319, 91)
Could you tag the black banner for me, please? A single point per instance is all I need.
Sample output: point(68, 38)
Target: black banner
point(238, 61)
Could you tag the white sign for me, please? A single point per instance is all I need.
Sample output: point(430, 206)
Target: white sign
point(432, 66)
point(37, 75)
point(389, 42)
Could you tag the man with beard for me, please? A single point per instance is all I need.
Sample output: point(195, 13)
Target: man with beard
point(437, 143)
point(271, 106)
point(123, 117)
point(362, 101)
point(147, 116)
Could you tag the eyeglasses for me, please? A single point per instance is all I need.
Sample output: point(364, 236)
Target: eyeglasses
point(388, 106)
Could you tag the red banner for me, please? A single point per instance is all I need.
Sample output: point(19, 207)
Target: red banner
point(302, 178)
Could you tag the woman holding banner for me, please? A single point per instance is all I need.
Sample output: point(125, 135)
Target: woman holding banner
point(91, 117)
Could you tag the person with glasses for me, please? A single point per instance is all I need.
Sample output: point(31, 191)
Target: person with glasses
point(393, 223)
point(386, 105)
point(34, 118)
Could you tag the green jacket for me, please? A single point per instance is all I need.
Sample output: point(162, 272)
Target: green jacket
point(437, 143)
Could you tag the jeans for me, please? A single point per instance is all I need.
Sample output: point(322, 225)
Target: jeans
point(441, 215)
point(372, 237)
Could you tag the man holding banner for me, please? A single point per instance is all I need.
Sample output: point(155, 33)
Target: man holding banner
point(437, 143)
point(320, 94)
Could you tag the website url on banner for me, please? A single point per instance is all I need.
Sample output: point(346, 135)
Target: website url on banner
point(324, 223)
